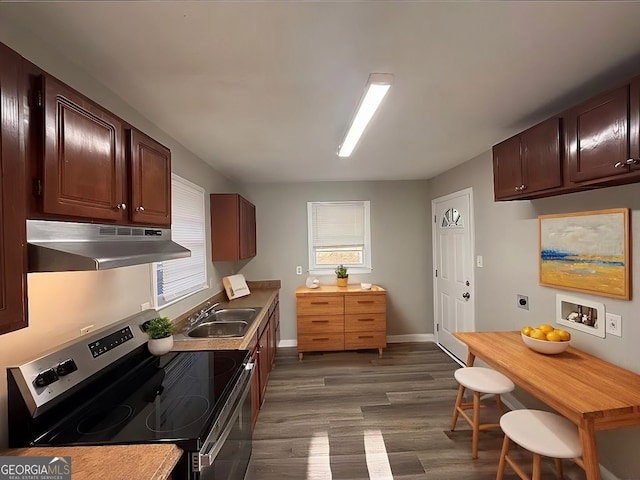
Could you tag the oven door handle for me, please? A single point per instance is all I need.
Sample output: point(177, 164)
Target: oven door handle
point(213, 445)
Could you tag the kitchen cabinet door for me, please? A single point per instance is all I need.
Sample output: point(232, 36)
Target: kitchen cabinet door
point(598, 136)
point(233, 227)
point(13, 244)
point(265, 365)
point(83, 163)
point(633, 163)
point(150, 166)
point(528, 163)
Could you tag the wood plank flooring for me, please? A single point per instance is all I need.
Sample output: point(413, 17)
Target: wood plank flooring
point(352, 416)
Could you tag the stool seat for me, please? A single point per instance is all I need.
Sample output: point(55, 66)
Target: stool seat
point(541, 432)
point(485, 380)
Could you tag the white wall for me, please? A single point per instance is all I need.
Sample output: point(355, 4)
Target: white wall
point(507, 237)
point(400, 232)
point(61, 303)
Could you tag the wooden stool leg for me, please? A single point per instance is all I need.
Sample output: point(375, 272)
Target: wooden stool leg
point(499, 404)
point(537, 459)
point(476, 424)
point(454, 418)
point(503, 460)
point(559, 472)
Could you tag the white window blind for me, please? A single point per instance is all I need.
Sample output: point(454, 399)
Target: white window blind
point(339, 233)
point(176, 279)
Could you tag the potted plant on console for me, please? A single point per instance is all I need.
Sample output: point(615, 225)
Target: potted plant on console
point(160, 331)
point(342, 275)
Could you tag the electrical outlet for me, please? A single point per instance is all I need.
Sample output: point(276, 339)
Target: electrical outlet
point(523, 301)
point(298, 270)
point(85, 330)
point(614, 324)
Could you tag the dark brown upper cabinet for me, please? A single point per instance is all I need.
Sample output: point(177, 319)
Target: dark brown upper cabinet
point(150, 164)
point(13, 244)
point(233, 227)
point(95, 167)
point(528, 163)
point(83, 168)
point(598, 136)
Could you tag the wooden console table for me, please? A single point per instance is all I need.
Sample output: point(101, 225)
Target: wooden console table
point(592, 393)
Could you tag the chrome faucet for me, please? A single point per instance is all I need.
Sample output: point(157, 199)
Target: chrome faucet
point(196, 317)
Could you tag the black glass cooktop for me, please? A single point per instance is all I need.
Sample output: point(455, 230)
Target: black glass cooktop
point(168, 398)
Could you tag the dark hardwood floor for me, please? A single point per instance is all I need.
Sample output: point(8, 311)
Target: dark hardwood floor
point(352, 416)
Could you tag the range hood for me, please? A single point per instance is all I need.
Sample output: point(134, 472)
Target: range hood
point(67, 246)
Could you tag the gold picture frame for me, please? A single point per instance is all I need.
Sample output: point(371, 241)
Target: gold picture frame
point(586, 252)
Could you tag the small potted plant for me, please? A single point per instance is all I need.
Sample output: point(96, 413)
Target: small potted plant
point(342, 275)
point(160, 331)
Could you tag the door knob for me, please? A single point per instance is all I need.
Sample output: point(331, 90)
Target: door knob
point(140, 209)
point(466, 295)
point(121, 206)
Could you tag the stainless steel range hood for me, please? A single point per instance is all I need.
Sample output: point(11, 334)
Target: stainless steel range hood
point(67, 246)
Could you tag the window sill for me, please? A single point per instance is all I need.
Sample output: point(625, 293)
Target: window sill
point(351, 271)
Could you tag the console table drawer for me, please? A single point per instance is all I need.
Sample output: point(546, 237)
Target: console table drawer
point(365, 322)
point(320, 305)
point(356, 340)
point(320, 342)
point(321, 324)
point(365, 303)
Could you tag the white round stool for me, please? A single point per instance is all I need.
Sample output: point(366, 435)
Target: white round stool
point(543, 434)
point(480, 380)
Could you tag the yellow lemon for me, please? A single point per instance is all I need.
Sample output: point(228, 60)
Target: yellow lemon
point(538, 334)
point(527, 330)
point(546, 328)
point(564, 335)
point(553, 336)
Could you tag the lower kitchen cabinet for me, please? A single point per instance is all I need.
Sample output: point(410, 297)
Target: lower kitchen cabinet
point(263, 352)
point(332, 318)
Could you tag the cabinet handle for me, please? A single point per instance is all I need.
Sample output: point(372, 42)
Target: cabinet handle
point(366, 319)
point(140, 209)
point(319, 303)
point(319, 321)
point(630, 161)
point(365, 301)
point(521, 188)
point(319, 339)
point(121, 206)
point(365, 336)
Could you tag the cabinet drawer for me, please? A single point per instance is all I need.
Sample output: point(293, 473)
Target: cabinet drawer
point(355, 340)
point(320, 342)
point(365, 322)
point(365, 303)
point(320, 324)
point(320, 305)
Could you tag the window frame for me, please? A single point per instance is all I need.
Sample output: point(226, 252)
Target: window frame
point(366, 266)
point(196, 189)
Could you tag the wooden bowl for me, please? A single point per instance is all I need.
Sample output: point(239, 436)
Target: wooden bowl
point(544, 346)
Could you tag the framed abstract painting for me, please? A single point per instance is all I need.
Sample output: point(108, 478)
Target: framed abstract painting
point(586, 252)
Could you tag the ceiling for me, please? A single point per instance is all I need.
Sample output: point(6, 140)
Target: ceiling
point(264, 91)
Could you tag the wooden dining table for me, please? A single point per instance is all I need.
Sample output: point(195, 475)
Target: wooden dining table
point(592, 393)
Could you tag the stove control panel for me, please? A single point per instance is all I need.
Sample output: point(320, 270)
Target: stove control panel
point(103, 345)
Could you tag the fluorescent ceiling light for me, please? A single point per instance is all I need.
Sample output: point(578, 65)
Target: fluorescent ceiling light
point(377, 88)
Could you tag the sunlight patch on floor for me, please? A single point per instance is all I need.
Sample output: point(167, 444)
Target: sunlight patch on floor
point(377, 458)
point(319, 459)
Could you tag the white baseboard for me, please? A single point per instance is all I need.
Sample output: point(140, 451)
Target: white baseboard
point(415, 337)
point(418, 337)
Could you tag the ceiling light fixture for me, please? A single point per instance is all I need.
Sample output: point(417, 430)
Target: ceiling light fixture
point(377, 88)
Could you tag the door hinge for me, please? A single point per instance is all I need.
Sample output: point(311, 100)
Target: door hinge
point(37, 187)
point(436, 273)
point(39, 98)
point(434, 219)
point(437, 327)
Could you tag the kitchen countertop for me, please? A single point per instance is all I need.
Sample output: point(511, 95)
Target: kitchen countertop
point(259, 297)
point(153, 462)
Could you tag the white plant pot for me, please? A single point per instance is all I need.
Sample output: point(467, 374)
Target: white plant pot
point(160, 346)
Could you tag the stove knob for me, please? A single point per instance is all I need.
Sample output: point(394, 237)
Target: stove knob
point(45, 378)
point(66, 367)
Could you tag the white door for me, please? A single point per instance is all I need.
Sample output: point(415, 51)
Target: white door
point(453, 269)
